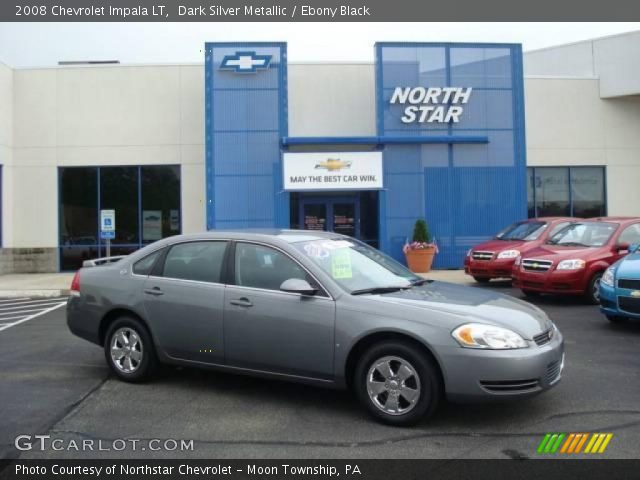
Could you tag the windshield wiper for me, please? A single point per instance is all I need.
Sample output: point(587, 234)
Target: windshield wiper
point(374, 290)
point(421, 281)
point(572, 244)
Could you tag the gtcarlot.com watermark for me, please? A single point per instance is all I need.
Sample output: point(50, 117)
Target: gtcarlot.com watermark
point(49, 443)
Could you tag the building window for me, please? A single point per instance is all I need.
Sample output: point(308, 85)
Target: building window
point(146, 200)
point(566, 191)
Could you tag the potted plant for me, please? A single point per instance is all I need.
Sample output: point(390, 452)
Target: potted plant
point(420, 252)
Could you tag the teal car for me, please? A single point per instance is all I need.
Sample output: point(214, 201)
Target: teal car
point(620, 288)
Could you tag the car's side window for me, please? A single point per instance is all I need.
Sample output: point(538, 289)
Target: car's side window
point(144, 266)
point(197, 261)
point(259, 266)
point(630, 234)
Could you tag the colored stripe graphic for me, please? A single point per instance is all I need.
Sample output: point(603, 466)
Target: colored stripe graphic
point(572, 443)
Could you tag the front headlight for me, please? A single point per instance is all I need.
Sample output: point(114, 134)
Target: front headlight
point(509, 254)
point(479, 335)
point(608, 277)
point(574, 264)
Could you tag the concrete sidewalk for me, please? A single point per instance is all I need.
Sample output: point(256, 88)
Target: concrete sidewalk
point(56, 284)
point(35, 284)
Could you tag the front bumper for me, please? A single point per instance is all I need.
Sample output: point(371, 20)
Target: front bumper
point(566, 282)
point(609, 301)
point(493, 268)
point(484, 375)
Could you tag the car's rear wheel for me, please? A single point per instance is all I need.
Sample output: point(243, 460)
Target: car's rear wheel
point(616, 318)
point(592, 293)
point(482, 279)
point(129, 350)
point(397, 383)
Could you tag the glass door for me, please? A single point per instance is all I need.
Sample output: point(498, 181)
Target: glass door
point(331, 214)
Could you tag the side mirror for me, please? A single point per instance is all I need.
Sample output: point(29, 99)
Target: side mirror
point(297, 285)
point(634, 248)
point(620, 247)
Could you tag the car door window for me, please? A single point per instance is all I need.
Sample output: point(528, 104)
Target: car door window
point(630, 234)
point(197, 261)
point(259, 266)
point(144, 266)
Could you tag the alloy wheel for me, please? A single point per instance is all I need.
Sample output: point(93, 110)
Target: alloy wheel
point(393, 385)
point(126, 350)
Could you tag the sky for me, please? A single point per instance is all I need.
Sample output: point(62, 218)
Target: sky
point(44, 44)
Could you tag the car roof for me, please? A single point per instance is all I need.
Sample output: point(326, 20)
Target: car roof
point(285, 235)
point(613, 219)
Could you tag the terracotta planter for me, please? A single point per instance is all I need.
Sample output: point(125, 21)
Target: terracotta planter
point(419, 261)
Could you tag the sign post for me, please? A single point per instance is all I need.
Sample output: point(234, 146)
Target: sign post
point(108, 227)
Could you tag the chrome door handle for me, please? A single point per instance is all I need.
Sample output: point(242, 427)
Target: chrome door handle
point(242, 302)
point(153, 291)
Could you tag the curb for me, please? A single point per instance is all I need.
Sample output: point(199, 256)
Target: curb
point(34, 293)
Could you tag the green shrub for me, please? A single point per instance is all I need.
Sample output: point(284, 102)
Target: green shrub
point(421, 232)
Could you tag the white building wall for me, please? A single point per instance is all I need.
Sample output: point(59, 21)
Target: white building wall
point(6, 144)
point(567, 123)
point(103, 116)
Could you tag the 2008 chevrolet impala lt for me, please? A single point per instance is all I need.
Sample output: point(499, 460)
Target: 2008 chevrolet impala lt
point(314, 307)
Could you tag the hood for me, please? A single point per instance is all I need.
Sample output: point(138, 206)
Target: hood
point(471, 305)
point(629, 267)
point(557, 253)
point(499, 245)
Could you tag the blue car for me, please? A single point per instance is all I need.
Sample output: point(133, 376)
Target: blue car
point(620, 288)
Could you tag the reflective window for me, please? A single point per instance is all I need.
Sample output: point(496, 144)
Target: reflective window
point(566, 191)
point(259, 266)
point(630, 235)
point(146, 200)
point(557, 228)
point(197, 261)
point(584, 234)
point(526, 231)
point(144, 266)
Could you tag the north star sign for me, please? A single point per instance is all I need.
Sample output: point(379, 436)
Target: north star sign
point(431, 105)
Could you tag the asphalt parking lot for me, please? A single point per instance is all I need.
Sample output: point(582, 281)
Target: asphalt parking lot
point(53, 383)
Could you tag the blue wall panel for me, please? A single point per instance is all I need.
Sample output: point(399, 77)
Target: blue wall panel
point(466, 192)
point(246, 115)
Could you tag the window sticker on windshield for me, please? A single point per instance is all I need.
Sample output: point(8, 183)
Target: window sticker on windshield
point(315, 250)
point(341, 264)
point(334, 244)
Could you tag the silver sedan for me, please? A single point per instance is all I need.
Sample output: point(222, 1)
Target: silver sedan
point(318, 308)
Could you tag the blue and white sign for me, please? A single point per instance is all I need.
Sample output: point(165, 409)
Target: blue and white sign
point(107, 224)
point(245, 62)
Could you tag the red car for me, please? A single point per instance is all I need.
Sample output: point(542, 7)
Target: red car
point(573, 260)
point(495, 258)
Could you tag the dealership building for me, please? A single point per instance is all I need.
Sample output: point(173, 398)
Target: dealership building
point(470, 137)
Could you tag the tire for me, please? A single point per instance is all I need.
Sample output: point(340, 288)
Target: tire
point(616, 319)
point(422, 375)
point(592, 293)
point(482, 279)
point(131, 367)
point(531, 293)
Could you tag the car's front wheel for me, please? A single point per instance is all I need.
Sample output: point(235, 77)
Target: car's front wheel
point(129, 350)
point(592, 294)
point(397, 383)
point(616, 318)
point(482, 279)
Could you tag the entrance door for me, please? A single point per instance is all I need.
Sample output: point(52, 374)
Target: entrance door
point(331, 214)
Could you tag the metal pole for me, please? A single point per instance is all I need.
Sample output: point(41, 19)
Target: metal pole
point(108, 247)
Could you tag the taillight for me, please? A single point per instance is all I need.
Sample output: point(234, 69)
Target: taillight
point(75, 284)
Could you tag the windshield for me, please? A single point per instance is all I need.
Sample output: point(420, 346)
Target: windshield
point(356, 266)
point(526, 231)
point(586, 234)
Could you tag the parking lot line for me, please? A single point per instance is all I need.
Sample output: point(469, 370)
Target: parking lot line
point(29, 311)
point(31, 317)
point(27, 301)
point(25, 307)
point(3, 320)
point(13, 300)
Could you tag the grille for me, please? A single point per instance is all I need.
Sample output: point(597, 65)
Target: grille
point(482, 255)
point(509, 386)
point(553, 371)
point(544, 338)
point(628, 304)
point(534, 265)
point(629, 284)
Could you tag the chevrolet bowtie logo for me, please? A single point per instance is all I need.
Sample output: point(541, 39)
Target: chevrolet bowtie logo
point(245, 62)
